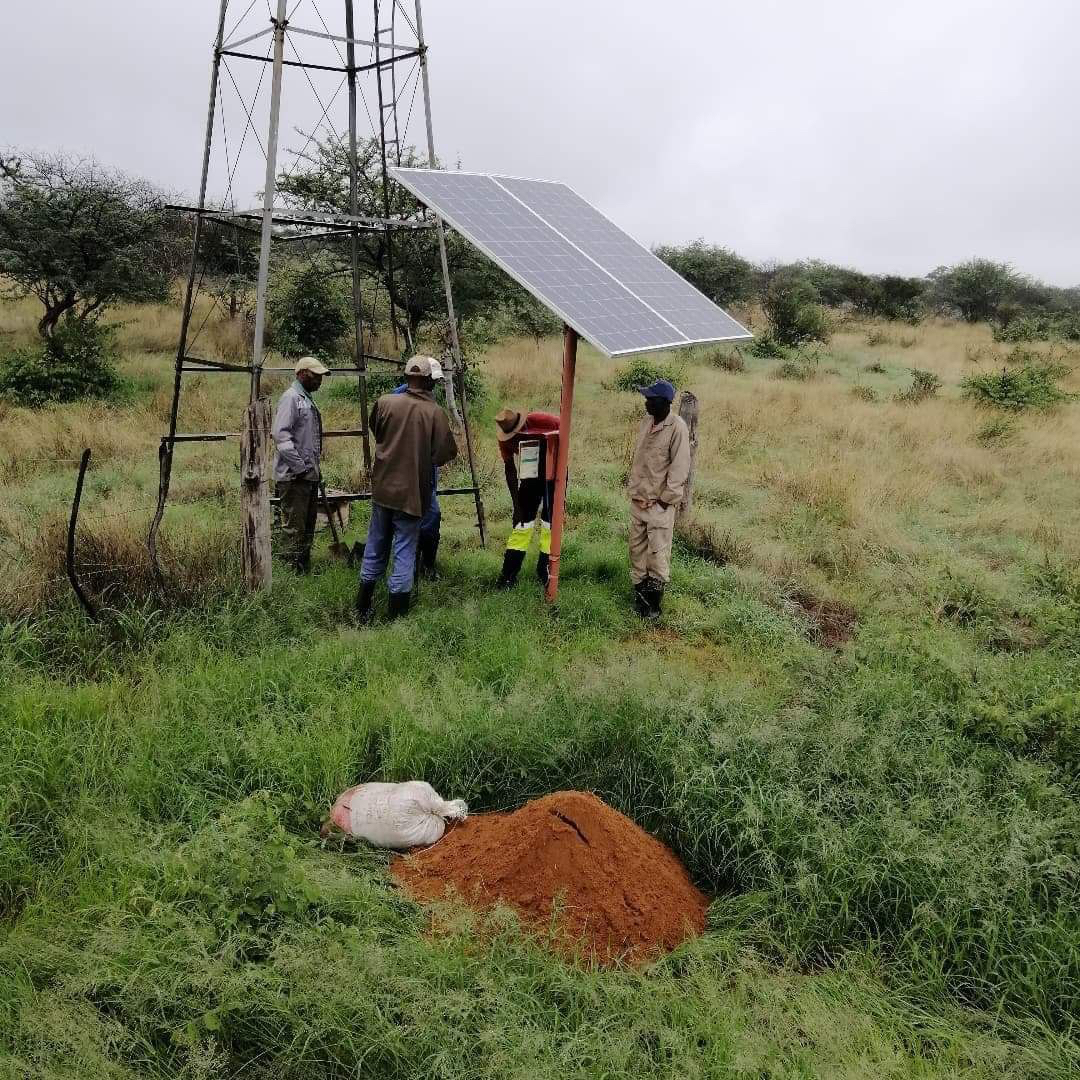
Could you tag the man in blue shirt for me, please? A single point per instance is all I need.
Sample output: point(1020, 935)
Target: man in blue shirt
point(431, 522)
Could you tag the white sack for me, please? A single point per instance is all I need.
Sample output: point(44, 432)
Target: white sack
point(395, 815)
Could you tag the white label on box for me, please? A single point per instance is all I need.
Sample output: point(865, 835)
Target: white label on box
point(530, 460)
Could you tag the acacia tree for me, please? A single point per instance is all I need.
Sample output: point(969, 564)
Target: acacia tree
point(318, 181)
point(80, 237)
point(977, 289)
point(723, 276)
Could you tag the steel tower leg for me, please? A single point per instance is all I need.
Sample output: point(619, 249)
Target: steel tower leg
point(165, 450)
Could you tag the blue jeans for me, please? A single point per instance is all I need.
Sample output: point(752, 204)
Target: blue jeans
point(432, 520)
point(402, 531)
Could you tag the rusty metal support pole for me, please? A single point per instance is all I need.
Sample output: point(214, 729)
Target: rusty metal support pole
point(566, 408)
point(165, 450)
point(354, 239)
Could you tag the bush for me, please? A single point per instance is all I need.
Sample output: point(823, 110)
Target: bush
point(76, 362)
point(644, 370)
point(309, 308)
point(766, 347)
point(998, 430)
point(864, 393)
point(1033, 385)
point(794, 312)
point(720, 274)
point(727, 361)
point(800, 368)
point(924, 384)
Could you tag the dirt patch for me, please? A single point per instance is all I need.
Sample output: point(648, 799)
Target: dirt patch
point(616, 892)
point(832, 622)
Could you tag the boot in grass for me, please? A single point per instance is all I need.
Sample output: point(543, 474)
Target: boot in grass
point(641, 602)
point(427, 550)
point(654, 598)
point(365, 610)
point(511, 567)
point(399, 604)
point(543, 569)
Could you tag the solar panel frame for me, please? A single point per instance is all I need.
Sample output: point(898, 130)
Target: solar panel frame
point(676, 339)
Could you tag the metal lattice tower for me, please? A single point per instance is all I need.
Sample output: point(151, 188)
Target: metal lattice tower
point(306, 41)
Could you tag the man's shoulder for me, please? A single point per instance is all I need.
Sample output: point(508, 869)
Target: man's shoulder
point(680, 424)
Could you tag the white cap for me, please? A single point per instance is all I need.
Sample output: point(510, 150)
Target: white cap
point(309, 363)
point(436, 370)
point(423, 365)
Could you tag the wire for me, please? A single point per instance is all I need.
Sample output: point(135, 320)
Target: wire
point(236, 26)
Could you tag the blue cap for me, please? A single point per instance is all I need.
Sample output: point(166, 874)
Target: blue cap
point(661, 389)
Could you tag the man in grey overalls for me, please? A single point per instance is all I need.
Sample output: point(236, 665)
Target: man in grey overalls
point(298, 438)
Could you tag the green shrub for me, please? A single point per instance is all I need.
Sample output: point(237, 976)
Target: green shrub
point(924, 384)
point(864, 393)
point(645, 370)
point(309, 308)
point(731, 361)
point(76, 362)
point(1033, 385)
point(997, 430)
point(766, 347)
point(346, 388)
point(800, 368)
point(794, 312)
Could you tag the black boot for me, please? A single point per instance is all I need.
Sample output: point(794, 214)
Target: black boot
point(543, 568)
point(427, 551)
point(641, 602)
point(399, 604)
point(364, 609)
point(511, 567)
point(654, 596)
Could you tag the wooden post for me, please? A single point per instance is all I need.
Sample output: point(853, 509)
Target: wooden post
point(688, 410)
point(255, 443)
point(566, 406)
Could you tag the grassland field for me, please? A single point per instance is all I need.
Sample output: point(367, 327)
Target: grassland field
point(859, 726)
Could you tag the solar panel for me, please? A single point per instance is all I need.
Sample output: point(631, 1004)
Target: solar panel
point(596, 278)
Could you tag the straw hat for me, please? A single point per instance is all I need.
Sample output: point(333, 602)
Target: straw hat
point(508, 422)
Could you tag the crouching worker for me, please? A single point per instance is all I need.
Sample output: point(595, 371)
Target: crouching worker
point(412, 437)
point(298, 438)
point(658, 477)
point(529, 447)
point(427, 548)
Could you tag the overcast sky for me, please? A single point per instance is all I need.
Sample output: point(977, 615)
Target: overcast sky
point(892, 137)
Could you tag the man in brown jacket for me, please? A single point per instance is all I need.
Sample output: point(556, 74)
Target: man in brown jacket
point(412, 436)
point(658, 476)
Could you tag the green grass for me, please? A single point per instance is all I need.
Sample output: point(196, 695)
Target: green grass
point(888, 828)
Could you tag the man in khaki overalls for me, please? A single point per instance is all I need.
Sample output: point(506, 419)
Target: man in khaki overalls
point(657, 483)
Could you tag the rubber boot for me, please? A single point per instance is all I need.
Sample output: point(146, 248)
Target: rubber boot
point(543, 568)
point(641, 602)
point(655, 598)
point(364, 602)
point(399, 604)
point(427, 551)
point(511, 567)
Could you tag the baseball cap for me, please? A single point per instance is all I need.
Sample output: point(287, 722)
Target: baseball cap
point(661, 389)
point(422, 365)
point(309, 363)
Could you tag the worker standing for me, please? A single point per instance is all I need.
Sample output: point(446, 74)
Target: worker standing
point(412, 436)
point(529, 447)
point(658, 478)
point(427, 548)
point(297, 471)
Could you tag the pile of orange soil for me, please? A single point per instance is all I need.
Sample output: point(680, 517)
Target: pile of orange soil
point(619, 892)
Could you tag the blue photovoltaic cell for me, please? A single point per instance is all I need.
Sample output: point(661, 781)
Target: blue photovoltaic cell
point(600, 281)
